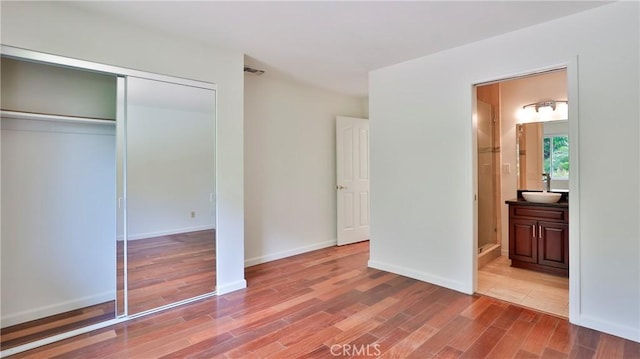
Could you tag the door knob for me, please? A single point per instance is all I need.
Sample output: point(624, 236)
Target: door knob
point(341, 187)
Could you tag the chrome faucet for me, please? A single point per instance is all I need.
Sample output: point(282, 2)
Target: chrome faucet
point(547, 179)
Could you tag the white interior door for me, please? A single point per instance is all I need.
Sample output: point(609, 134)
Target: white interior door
point(352, 185)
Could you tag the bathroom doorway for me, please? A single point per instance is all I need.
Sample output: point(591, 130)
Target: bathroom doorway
point(503, 172)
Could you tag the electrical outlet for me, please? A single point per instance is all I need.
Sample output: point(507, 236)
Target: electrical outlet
point(193, 214)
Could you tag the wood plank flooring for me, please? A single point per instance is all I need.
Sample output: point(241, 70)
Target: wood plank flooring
point(19, 334)
point(327, 303)
point(163, 270)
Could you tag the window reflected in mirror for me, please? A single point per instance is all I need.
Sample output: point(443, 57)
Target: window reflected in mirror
point(543, 147)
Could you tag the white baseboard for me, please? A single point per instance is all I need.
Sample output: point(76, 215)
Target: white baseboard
point(230, 287)
point(45, 311)
point(425, 277)
point(169, 232)
point(288, 253)
point(618, 330)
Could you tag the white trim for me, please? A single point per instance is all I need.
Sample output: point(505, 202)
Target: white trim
point(24, 54)
point(121, 198)
point(422, 276)
point(574, 191)
point(605, 326)
point(474, 185)
point(288, 253)
point(231, 287)
point(520, 74)
point(133, 237)
point(57, 308)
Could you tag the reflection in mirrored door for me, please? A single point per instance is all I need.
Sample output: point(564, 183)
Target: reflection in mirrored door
point(170, 186)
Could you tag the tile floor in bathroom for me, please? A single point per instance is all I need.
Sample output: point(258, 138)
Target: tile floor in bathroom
point(544, 292)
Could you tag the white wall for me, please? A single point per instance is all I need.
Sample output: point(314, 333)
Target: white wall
point(513, 95)
point(39, 88)
point(61, 29)
point(170, 158)
point(290, 169)
point(58, 238)
point(421, 152)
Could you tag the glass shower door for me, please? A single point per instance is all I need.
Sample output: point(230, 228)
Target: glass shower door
point(487, 188)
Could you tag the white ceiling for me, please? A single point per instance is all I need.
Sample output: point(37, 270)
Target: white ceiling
point(335, 44)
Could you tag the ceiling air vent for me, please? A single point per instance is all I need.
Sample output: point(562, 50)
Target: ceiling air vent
point(253, 71)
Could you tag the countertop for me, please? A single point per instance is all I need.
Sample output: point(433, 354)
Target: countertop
point(562, 203)
point(522, 202)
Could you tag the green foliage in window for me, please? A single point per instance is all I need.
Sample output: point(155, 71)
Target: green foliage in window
point(556, 156)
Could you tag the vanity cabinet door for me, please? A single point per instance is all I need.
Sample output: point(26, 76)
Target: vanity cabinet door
point(553, 244)
point(523, 244)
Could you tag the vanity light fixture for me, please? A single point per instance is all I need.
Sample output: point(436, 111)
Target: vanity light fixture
point(543, 104)
point(542, 111)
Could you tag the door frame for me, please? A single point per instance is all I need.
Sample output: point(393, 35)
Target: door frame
point(571, 66)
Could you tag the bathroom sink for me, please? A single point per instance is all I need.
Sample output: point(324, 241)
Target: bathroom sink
point(542, 197)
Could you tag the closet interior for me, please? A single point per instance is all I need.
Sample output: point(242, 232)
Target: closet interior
point(107, 195)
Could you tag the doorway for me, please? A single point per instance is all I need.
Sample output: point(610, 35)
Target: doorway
point(502, 173)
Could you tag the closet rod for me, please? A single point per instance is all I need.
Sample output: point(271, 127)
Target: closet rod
point(54, 118)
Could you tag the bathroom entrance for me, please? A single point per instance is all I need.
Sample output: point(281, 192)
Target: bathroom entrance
point(511, 161)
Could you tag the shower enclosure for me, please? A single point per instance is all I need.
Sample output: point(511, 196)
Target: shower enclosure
point(488, 159)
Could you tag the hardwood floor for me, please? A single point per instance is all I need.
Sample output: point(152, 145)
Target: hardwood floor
point(327, 303)
point(167, 269)
point(545, 292)
point(162, 270)
point(19, 334)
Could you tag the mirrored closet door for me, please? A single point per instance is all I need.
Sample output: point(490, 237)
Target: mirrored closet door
point(107, 194)
point(170, 186)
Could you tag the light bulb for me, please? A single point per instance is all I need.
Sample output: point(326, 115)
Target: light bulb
point(526, 115)
point(545, 113)
point(562, 111)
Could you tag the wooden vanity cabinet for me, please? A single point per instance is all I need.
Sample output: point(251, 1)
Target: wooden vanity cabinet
point(539, 238)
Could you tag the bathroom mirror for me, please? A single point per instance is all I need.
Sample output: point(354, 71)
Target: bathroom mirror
point(543, 147)
point(170, 186)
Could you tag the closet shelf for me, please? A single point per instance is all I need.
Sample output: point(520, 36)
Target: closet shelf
point(54, 118)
